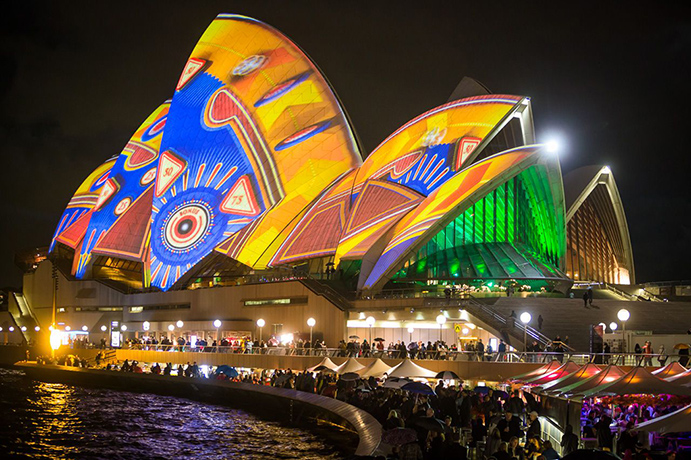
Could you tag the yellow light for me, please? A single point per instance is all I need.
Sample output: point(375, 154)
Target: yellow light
point(55, 339)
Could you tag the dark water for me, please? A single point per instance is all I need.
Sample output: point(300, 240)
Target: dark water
point(48, 420)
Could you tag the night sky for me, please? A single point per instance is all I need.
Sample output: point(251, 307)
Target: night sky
point(612, 82)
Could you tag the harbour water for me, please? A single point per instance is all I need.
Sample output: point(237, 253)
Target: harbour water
point(56, 421)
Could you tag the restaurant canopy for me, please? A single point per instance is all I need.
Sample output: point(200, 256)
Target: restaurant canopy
point(675, 422)
point(351, 365)
point(407, 368)
point(681, 379)
point(326, 362)
point(638, 380)
point(608, 374)
point(581, 374)
point(551, 366)
point(567, 368)
point(376, 368)
point(669, 370)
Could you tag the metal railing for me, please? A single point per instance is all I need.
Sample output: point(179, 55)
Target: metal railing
point(622, 359)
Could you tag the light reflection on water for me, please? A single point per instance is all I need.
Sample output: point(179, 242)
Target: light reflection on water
point(48, 420)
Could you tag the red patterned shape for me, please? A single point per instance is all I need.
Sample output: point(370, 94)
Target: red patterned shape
point(170, 167)
point(378, 200)
point(127, 237)
point(140, 155)
point(192, 68)
point(317, 235)
point(466, 146)
point(73, 235)
point(109, 189)
point(240, 199)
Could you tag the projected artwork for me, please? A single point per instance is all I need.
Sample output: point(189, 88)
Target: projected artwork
point(405, 168)
point(75, 220)
point(253, 164)
point(468, 186)
point(119, 223)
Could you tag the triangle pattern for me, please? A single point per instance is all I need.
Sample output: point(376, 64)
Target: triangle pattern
point(377, 200)
point(73, 234)
point(109, 189)
point(240, 199)
point(127, 237)
point(170, 167)
point(192, 68)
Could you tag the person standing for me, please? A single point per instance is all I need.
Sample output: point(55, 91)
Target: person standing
point(648, 350)
point(480, 348)
point(590, 296)
point(569, 441)
point(534, 429)
point(662, 358)
point(585, 299)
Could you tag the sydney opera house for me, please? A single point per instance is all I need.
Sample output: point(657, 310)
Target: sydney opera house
point(247, 195)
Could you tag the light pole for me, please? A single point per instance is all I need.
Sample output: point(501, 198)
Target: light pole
point(311, 322)
point(370, 322)
point(217, 325)
point(525, 319)
point(441, 319)
point(411, 329)
point(624, 316)
point(260, 323)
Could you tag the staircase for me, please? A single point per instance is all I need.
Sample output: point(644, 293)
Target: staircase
point(327, 292)
point(23, 316)
point(507, 328)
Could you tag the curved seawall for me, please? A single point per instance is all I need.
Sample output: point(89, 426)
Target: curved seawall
point(288, 405)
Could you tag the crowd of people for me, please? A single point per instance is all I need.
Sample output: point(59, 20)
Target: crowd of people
point(612, 426)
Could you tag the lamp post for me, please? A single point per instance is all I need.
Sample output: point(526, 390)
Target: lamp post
point(411, 329)
point(525, 319)
point(311, 322)
point(146, 326)
point(441, 319)
point(217, 325)
point(370, 322)
point(624, 316)
point(260, 323)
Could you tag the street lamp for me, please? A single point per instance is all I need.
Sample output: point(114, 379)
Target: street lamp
point(411, 329)
point(23, 328)
point(171, 327)
point(441, 319)
point(525, 319)
point(370, 322)
point(624, 316)
point(37, 328)
point(123, 328)
point(146, 325)
point(67, 328)
point(613, 326)
point(179, 324)
point(55, 339)
point(104, 328)
point(260, 323)
point(217, 325)
point(85, 328)
point(311, 322)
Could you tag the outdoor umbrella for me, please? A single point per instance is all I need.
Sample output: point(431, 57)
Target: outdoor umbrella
point(227, 370)
point(682, 346)
point(354, 337)
point(447, 375)
point(680, 379)
point(399, 436)
point(430, 424)
point(349, 376)
point(417, 387)
point(590, 454)
point(379, 339)
point(481, 390)
point(675, 422)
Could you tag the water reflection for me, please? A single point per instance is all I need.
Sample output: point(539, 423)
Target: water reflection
point(45, 420)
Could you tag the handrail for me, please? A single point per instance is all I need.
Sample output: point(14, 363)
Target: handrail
point(618, 358)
